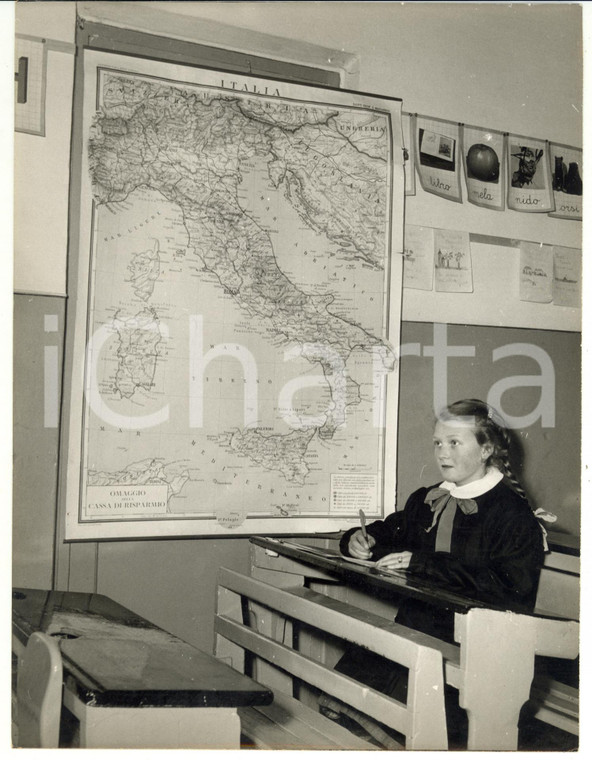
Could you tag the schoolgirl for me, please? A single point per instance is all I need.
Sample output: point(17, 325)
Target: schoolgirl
point(474, 533)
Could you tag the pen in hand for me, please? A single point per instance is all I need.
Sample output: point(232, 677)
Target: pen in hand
point(363, 524)
point(360, 541)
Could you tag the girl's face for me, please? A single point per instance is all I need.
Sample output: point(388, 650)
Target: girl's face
point(459, 456)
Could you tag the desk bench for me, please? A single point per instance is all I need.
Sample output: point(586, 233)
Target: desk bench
point(131, 684)
point(551, 700)
point(258, 628)
point(493, 688)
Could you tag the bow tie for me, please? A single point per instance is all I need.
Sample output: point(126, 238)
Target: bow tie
point(439, 498)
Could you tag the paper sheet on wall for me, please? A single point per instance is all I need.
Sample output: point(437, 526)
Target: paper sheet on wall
point(567, 172)
point(536, 272)
point(452, 261)
point(567, 276)
point(418, 258)
point(529, 176)
point(483, 153)
point(29, 110)
point(437, 157)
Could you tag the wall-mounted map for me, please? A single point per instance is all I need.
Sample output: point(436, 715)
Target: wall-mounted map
point(237, 293)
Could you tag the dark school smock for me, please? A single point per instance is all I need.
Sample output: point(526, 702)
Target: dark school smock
point(482, 541)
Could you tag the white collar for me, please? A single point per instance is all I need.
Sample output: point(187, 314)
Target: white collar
point(477, 487)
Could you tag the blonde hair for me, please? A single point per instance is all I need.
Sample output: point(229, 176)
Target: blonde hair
point(489, 428)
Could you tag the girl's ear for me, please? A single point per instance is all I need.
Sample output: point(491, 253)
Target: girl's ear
point(486, 451)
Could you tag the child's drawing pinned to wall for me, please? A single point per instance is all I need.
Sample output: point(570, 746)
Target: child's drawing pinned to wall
point(452, 261)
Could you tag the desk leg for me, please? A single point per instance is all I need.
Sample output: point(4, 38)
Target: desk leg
point(497, 659)
point(155, 728)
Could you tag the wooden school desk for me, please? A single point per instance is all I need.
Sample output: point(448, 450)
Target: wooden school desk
point(492, 667)
point(130, 684)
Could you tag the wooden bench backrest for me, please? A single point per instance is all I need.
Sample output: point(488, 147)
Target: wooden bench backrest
point(421, 719)
point(559, 585)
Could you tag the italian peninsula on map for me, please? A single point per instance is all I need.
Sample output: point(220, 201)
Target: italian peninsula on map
point(238, 300)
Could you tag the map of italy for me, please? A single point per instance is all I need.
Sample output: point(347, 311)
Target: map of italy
point(269, 218)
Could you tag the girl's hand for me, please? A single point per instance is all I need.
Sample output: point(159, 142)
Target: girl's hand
point(396, 561)
point(358, 547)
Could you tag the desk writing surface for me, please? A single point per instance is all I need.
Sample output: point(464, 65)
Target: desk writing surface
point(116, 658)
point(401, 582)
point(33, 610)
point(563, 543)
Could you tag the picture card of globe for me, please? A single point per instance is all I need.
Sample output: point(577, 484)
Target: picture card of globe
point(484, 162)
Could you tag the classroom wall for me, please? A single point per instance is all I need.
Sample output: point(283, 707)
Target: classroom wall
point(172, 582)
point(515, 68)
point(35, 443)
point(546, 450)
point(43, 163)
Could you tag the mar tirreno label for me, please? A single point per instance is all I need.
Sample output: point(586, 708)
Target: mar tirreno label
point(119, 501)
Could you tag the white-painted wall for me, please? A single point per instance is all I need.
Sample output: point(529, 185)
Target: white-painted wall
point(42, 164)
point(516, 68)
point(511, 66)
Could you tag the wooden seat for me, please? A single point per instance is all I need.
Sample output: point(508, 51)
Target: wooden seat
point(552, 701)
point(39, 693)
point(257, 628)
point(556, 703)
point(289, 724)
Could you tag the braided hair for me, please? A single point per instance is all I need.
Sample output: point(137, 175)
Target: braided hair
point(489, 428)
